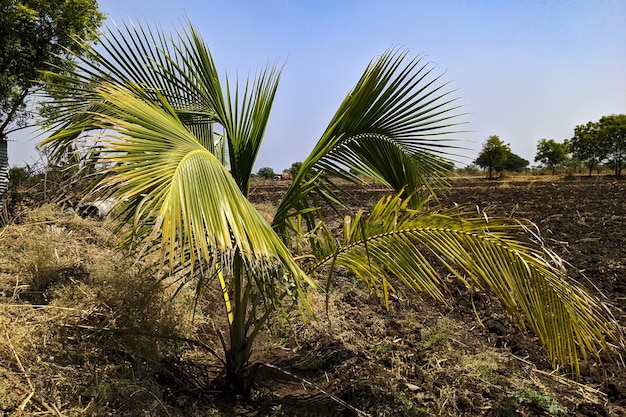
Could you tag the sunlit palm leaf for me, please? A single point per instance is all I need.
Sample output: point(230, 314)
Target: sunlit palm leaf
point(124, 56)
point(247, 123)
point(394, 249)
point(181, 70)
point(166, 178)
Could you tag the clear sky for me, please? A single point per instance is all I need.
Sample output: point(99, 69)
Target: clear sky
point(525, 70)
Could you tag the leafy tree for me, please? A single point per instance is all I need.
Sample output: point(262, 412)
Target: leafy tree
point(612, 132)
point(294, 169)
point(266, 172)
point(551, 153)
point(35, 35)
point(178, 198)
point(596, 142)
point(18, 176)
point(512, 162)
point(493, 154)
point(587, 145)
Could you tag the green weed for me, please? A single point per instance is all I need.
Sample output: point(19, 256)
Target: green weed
point(437, 335)
point(539, 400)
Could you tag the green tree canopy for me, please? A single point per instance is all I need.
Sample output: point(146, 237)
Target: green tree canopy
point(493, 154)
point(599, 141)
point(266, 172)
point(612, 132)
point(36, 35)
point(513, 162)
point(586, 145)
point(294, 169)
point(551, 153)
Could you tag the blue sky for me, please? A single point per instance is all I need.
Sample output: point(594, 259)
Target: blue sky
point(525, 70)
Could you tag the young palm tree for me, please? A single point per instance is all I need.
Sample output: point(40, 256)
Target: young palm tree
point(179, 147)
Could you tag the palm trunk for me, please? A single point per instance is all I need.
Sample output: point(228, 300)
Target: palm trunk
point(238, 372)
point(4, 171)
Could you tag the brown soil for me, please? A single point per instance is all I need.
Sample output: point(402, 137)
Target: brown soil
point(582, 219)
point(417, 359)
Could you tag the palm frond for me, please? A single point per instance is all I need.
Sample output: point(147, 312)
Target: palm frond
point(135, 56)
point(165, 178)
point(247, 120)
point(395, 126)
point(182, 70)
point(398, 248)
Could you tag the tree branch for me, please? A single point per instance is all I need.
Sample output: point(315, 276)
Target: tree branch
point(16, 104)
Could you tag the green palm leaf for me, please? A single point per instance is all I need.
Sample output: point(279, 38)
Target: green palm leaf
point(183, 72)
point(395, 126)
point(397, 247)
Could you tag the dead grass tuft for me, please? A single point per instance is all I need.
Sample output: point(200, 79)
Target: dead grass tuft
point(70, 311)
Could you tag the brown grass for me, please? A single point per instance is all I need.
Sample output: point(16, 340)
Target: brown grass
point(61, 284)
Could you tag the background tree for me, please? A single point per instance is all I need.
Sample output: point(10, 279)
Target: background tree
point(512, 163)
point(186, 205)
point(294, 169)
point(493, 154)
point(551, 153)
point(587, 146)
point(266, 172)
point(603, 140)
point(612, 132)
point(35, 35)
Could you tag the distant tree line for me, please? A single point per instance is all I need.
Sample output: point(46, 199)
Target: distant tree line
point(288, 173)
point(594, 144)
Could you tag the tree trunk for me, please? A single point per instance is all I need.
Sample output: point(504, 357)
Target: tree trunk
point(238, 372)
point(4, 171)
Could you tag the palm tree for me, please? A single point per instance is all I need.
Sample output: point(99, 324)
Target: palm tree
point(179, 148)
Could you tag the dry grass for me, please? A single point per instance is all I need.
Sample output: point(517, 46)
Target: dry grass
point(267, 210)
point(61, 284)
point(413, 361)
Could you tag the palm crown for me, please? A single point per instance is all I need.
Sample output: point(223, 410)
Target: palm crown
point(180, 144)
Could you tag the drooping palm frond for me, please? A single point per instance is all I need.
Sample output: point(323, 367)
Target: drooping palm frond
point(167, 180)
point(395, 126)
point(397, 247)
